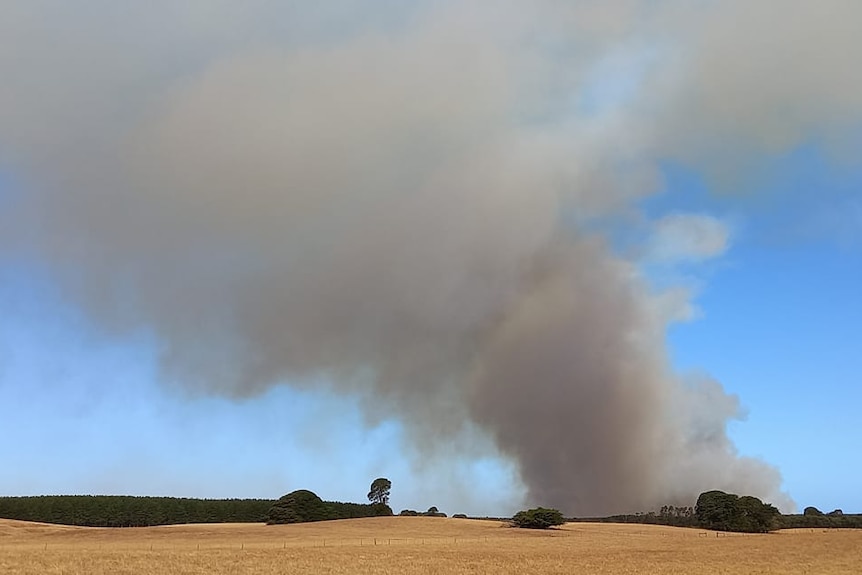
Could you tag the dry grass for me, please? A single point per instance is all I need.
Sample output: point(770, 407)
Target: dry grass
point(419, 545)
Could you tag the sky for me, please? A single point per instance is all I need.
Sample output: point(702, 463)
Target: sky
point(601, 256)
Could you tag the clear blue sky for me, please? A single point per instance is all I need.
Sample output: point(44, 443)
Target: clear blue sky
point(769, 171)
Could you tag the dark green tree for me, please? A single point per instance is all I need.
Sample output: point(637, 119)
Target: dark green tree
point(715, 510)
point(379, 491)
point(298, 506)
point(538, 518)
point(755, 516)
point(728, 512)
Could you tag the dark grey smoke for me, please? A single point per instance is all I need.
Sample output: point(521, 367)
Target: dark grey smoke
point(403, 202)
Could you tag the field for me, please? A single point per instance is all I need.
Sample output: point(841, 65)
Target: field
point(419, 545)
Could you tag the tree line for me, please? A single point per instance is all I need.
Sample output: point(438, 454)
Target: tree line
point(668, 515)
point(432, 512)
point(722, 511)
point(134, 511)
point(131, 511)
point(714, 510)
point(813, 518)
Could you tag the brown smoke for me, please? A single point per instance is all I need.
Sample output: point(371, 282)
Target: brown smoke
point(402, 204)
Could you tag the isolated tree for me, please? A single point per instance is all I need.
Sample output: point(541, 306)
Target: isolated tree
point(379, 492)
point(538, 518)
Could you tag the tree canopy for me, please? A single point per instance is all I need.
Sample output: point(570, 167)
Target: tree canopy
point(538, 518)
point(729, 512)
point(298, 506)
point(379, 491)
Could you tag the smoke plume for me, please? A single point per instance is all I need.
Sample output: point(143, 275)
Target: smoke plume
point(409, 203)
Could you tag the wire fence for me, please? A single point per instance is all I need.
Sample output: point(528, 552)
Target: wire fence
point(304, 543)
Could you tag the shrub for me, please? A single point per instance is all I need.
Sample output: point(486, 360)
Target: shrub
point(538, 518)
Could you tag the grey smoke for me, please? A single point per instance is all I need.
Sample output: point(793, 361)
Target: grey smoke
point(400, 201)
point(687, 238)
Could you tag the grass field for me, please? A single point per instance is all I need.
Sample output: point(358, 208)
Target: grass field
point(419, 545)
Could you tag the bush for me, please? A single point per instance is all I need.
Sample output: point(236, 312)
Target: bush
point(459, 516)
point(538, 518)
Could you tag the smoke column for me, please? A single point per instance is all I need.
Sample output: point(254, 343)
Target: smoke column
point(417, 204)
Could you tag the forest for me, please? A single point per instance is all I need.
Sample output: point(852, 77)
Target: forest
point(131, 511)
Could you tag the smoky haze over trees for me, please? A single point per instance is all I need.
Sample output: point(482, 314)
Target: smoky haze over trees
point(413, 205)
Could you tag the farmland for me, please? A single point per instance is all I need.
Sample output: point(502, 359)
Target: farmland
point(419, 545)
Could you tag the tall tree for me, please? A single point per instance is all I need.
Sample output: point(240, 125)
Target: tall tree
point(379, 492)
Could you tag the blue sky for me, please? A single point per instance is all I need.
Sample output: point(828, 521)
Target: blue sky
point(247, 250)
point(779, 325)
